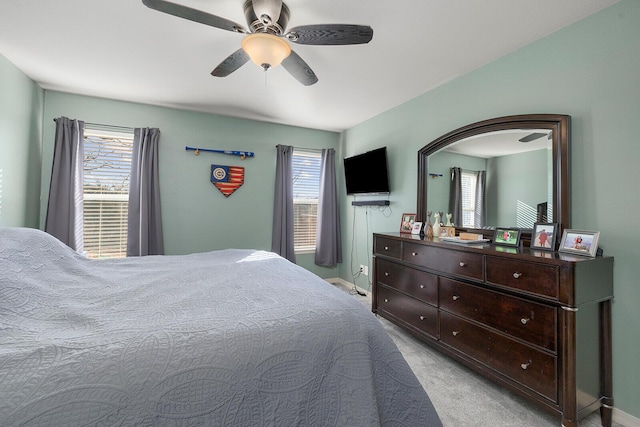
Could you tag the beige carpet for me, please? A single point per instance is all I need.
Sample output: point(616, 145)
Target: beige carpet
point(462, 397)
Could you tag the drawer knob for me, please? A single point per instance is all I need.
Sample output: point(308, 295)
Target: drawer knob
point(517, 275)
point(386, 248)
point(463, 264)
point(455, 297)
point(524, 366)
point(524, 320)
point(386, 300)
point(414, 253)
point(421, 317)
point(421, 286)
point(386, 273)
point(455, 333)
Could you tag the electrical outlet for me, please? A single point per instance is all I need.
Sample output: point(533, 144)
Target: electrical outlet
point(364, 269)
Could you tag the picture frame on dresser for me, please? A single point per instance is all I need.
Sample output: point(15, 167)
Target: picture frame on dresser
point(417, 228)
point(406, 224)
point(581, 242)
point(507, 237)
point(544, 236)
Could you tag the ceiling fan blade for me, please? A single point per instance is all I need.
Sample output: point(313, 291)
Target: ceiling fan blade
point(532, 137)
point(268, 11)
point(299, 69)
point(330, 34)
point(234, 61)
point(194, 15)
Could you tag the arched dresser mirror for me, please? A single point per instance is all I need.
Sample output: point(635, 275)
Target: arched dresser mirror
point(525, 159)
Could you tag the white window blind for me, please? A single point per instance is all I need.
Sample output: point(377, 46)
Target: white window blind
point(468, 199)
point(107, 167)
point(306, 190)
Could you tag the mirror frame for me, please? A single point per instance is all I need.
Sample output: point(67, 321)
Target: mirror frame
point(558, 123)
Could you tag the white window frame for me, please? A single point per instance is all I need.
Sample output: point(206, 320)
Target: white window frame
point(305, 194)
point(102, 243)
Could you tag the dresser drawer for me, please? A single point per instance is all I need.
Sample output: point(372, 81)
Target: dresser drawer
point(533, 368)
point(418, 284)
point(388, 247)
point(527, 320)
point(538, 279)
point(417, 314)
point(459, 263)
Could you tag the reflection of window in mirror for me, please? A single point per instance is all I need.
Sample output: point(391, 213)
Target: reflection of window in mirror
point(468, 198)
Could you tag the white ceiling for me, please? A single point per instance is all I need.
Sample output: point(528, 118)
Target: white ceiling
point(121, 49)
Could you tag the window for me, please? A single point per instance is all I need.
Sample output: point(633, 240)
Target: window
point(107, 167)
point(468, 199)
point(306, 190)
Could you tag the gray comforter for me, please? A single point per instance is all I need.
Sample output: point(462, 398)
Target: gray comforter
point(229, 338)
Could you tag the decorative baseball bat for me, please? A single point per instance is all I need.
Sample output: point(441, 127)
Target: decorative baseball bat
point(243, 154)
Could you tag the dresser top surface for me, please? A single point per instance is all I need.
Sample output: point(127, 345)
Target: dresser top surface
point(553, 257)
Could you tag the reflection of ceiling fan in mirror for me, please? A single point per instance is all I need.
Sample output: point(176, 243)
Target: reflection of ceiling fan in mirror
point(266, 38)
point(534, 136)
point(502, 143)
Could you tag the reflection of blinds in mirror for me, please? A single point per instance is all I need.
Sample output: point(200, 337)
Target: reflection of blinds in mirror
point(468, 199)
point(525, 215)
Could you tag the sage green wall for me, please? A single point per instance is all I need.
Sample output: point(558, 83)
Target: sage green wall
point(20, 135)
point(196, 216)
point(591, 71)
point(509, 181)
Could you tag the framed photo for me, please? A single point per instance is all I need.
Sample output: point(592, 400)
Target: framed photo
point(447, 231)
point(406, 225)
point(544, 236)
point(417, 228)
point(507, 236)
point(580, 242)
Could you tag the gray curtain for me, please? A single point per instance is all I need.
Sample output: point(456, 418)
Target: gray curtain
point(64, 208)
point(282, 237)
point(480, 213)
point(455, 196)
point(144, 233)
point(328, 242)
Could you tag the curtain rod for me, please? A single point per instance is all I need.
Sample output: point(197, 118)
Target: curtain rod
point(467, 170)
point(100, 125)
point(304, 148)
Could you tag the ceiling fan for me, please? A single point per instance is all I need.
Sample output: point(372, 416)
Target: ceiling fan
point(266, 38)
point(534, 136)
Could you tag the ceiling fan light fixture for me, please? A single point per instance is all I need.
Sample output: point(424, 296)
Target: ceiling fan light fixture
point(266, 50)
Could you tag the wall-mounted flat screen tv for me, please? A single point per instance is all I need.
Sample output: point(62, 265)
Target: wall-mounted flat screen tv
point(367, 173)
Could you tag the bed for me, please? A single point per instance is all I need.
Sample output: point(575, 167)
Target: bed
point(229, 338)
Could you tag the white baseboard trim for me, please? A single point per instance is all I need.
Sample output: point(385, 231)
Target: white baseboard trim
point(625, 419)
point(618, 416)
point(340, 281)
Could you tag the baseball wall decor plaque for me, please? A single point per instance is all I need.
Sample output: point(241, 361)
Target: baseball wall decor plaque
point(227, 178)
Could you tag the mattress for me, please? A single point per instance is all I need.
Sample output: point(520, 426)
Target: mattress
point(226, 338)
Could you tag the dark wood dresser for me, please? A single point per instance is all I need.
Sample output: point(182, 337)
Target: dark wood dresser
point(535, 322)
